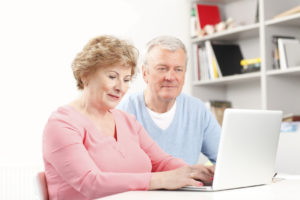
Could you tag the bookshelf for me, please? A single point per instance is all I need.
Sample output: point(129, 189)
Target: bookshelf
point(288, 72)
point(293, 20)
point(230, 79)
point(268, 88)
point(232, 34)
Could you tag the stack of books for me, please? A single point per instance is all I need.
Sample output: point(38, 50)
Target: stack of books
point(285, 52)
point(215, 60)
point(291, 118)
point(218, 107)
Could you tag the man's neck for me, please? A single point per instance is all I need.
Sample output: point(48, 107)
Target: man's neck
point(157, 104)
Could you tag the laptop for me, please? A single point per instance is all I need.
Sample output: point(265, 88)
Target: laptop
point(247, 149)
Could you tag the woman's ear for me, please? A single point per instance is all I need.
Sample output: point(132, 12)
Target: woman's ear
point(85, 80)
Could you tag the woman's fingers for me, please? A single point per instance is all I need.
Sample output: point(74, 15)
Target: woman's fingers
point(195, 183)
point(202, 173)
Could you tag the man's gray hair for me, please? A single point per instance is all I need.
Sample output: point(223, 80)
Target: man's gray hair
point(166, 42)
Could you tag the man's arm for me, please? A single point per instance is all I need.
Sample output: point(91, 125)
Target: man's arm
point(212, 133)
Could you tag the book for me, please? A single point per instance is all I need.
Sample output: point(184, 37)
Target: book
point(292, 51)
point(196, 62)
point(207, 15)
point(204, 66)
point(193, 23)
point(291, 118)
point(218, 107)
point(229, 57)
point(281, 49)
point(291, 11)
point(212, 61)
point(201, 60)
point(275, 52)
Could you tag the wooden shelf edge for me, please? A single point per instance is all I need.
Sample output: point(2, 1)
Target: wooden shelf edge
point(282, 19)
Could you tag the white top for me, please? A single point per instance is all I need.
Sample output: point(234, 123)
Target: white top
point(163, 120)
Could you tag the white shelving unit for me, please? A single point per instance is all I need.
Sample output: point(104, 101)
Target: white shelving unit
point(232, 34)
point(230, 79)
point(269, 88)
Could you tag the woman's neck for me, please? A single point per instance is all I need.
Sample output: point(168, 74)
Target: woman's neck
point(88, 108)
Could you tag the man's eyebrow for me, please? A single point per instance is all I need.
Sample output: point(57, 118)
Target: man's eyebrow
point(168, 65)
point(161, 64)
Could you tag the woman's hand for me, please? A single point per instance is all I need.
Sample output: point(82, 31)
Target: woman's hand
point(184, 176)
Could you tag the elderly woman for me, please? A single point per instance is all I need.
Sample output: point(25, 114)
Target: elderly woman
point(90, 149)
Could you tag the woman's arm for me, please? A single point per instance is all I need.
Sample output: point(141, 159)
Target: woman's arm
point(170, 172)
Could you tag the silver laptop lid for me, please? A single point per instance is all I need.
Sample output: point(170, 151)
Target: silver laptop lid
point(248, 147)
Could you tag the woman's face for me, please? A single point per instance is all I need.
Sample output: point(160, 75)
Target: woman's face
point(106, 87)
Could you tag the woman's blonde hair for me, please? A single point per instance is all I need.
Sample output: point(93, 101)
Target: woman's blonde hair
point(103, 51)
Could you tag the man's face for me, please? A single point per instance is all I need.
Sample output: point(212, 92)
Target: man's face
point(165, 72)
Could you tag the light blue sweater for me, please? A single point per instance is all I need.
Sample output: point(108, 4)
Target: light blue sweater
point(193, 130)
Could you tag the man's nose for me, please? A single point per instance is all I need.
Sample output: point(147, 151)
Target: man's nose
point(170, 75)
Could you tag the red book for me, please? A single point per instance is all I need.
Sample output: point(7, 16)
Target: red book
point(208, 14)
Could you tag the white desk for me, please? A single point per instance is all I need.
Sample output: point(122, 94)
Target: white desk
point(281, 190)
point(288, 153)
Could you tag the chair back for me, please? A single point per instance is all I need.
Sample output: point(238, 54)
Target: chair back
point(42, 186)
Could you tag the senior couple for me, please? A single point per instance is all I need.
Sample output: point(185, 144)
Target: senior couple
point(152, 140)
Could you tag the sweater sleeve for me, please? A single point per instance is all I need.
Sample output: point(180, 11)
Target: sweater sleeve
point(64, 150)
point(160, 160)
point(211, 138)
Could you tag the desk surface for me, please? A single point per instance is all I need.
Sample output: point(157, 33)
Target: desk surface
point(282, 189)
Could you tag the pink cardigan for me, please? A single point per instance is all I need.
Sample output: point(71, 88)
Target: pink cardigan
point(81, 163)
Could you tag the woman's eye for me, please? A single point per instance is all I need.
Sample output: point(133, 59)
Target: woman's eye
point(128, 79)
point(161, 69)
point(112, 77)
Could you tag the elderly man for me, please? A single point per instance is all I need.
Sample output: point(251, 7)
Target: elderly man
point(179, 123)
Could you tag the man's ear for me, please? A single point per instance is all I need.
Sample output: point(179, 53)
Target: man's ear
point(145, 73)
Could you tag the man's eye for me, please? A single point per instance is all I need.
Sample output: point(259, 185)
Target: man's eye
point(179, 70)
point(112, 77)
point(161, 68)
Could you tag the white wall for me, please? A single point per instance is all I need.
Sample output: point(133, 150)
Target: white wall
point(38, 42)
